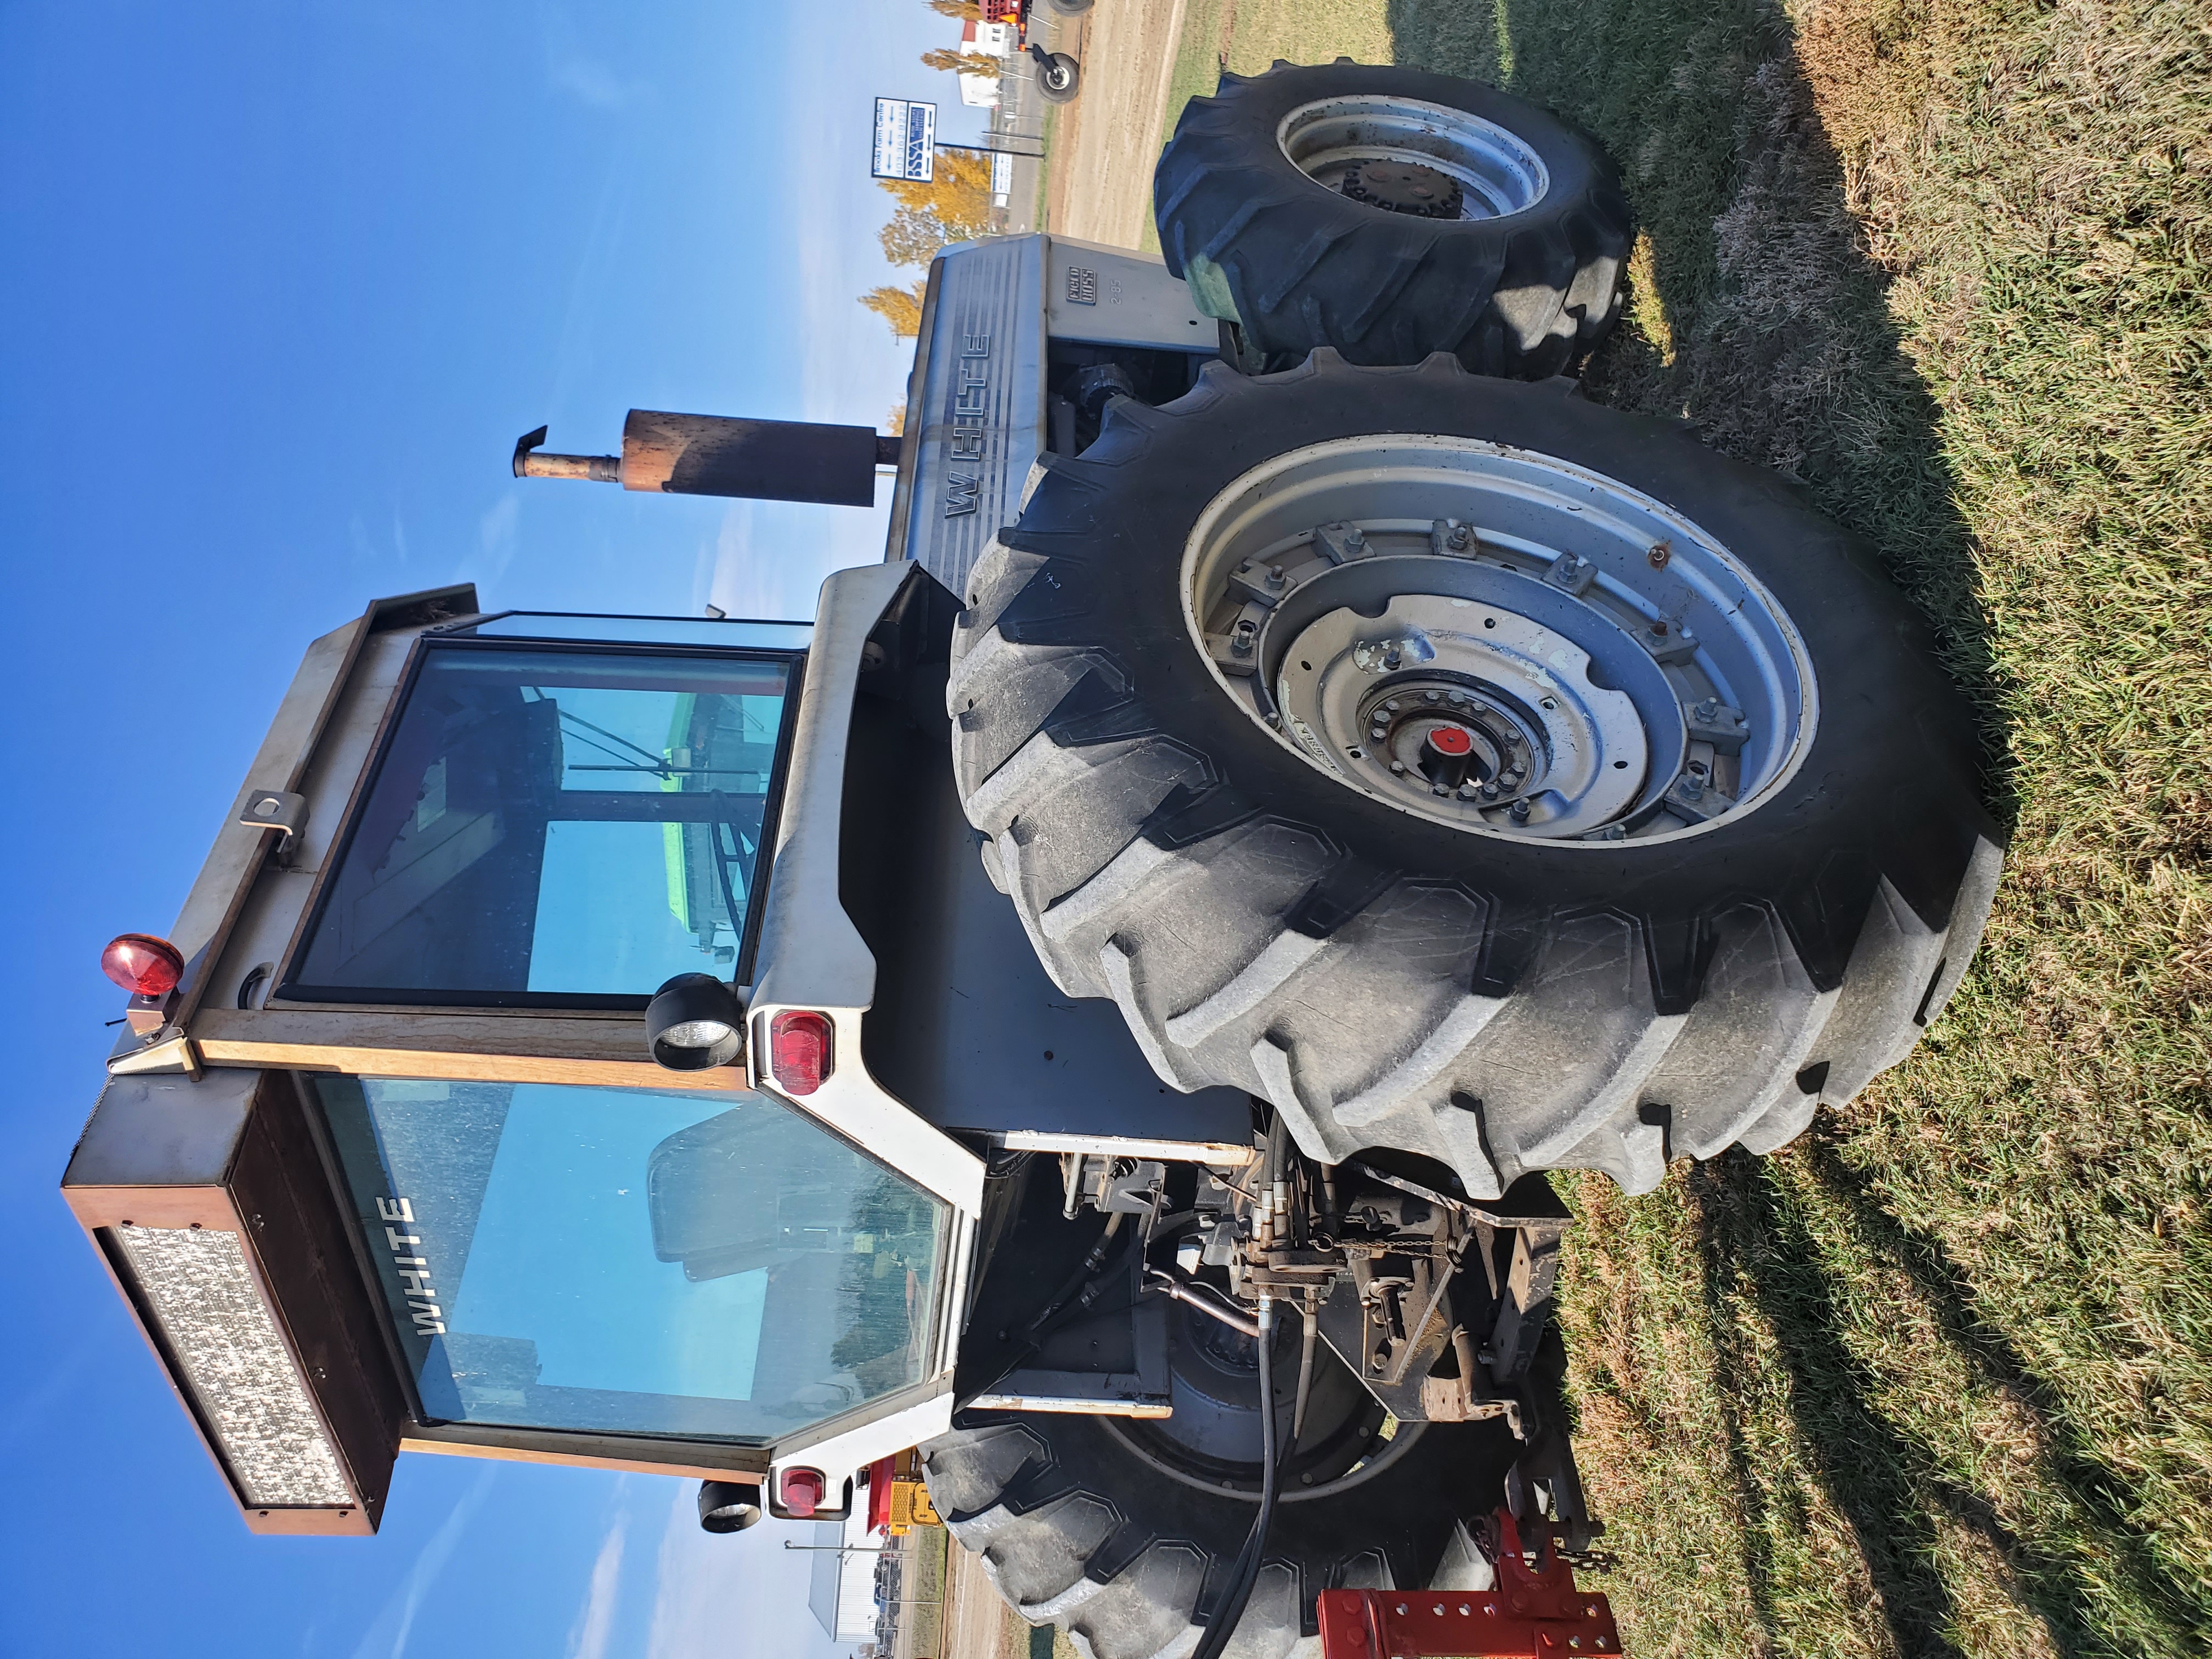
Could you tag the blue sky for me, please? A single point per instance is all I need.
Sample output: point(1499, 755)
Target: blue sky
point(283, 281)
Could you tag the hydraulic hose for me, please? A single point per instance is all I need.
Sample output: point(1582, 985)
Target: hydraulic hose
point(1246, 1571)
point(1076, 1280)
point(1200, 1296)
point(1311, 1321)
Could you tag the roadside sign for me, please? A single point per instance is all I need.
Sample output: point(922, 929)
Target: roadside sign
point(906, 140)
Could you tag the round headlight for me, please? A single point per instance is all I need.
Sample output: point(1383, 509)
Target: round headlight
point(695, 1022)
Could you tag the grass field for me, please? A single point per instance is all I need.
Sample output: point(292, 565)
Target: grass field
point(1938, 1379)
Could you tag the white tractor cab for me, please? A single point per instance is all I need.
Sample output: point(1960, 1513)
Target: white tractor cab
point(1100, 1000)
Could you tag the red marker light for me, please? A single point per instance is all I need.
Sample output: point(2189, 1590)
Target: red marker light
point(801, 1050)
point(143, 964)
point(803, 1489)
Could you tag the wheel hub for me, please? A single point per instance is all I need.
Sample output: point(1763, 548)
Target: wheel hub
point(1403, 187)
point(1211, 1437)
point(1468, 712)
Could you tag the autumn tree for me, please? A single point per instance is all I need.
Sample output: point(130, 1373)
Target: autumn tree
point(966, 11)
point(954, 206)
point(899, 307)
point(963, 63)
point(956, 203)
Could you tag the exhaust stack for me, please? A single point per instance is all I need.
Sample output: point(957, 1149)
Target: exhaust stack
point(726, 455)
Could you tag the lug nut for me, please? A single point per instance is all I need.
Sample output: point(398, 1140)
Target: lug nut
point(1467, 792)
point(1275, 575)
point(1490, 792)
point(1518, 812)
point(1391, 706)
point(1432, 696)
point(1397, 766)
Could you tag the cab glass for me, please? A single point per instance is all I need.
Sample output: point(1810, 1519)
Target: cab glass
point(634, 1261)
point(552, 826)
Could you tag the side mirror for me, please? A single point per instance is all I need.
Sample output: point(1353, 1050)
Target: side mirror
point(695, 1022)
point(728, 1505)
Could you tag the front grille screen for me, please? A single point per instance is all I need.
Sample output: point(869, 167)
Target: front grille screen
point(236, 1365)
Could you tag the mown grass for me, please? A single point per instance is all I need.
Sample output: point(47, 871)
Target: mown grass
point(1938, 1380)
point(1245, 36)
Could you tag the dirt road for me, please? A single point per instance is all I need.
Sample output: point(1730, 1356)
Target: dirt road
point(1105, 143)
point(978, 1625)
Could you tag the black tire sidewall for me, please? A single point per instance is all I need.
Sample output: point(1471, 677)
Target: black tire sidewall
point(1887, 784)
point(1302, 266)
point(1575, 165)
point(1061, 94)
point(1406, 1511)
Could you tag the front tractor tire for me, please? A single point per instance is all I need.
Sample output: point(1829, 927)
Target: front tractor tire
point(1469, 770)
point(1390, 213)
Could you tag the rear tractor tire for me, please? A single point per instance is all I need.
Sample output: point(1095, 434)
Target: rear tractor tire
point(1105, 1527)
point(1469, 770)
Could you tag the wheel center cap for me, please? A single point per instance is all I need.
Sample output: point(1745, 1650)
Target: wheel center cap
point(1472, 714)
point(1404, 187)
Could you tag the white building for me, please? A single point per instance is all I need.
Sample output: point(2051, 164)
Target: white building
point(843, 1595)
point(987, 41)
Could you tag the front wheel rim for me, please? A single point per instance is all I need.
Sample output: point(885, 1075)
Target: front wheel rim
point(1331, 137)
point(1497, 640)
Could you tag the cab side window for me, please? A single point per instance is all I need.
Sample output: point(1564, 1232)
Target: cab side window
point(549, 826)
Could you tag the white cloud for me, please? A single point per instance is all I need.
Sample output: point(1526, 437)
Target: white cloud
point(495, 539)
point(743, 1595)
point(772, 557)
point(854, 368)
point(570, 67)
point(590, 82)
point(595, 1619)
point(397, 1613)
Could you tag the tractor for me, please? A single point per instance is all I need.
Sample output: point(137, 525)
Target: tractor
point(1100, 1002)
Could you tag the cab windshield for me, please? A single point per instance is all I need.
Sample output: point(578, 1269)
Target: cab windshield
point(634, 1261)
point(552, 826)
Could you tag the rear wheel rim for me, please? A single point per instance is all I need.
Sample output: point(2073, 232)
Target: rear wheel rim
point(1211, 1439)
point(1497, 640)
point(1497, 174)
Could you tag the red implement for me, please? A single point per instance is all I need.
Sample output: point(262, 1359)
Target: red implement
point(1533, 1612)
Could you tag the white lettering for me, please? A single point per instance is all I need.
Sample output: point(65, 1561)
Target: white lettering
point(414, 1270)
